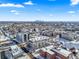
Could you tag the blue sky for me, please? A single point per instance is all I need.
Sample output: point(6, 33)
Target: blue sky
point(44, 10)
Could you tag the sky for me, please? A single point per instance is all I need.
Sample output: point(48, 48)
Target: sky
point(42, 10)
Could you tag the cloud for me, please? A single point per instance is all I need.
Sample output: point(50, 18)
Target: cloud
point(11, 5)
point(15, 12)
point(50, 15)
point(29, 3)
point(71, 12)
point(74, 2)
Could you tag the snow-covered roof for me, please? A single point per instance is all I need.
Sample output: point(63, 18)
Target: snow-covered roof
point(62, 52)
point(16, 50)
point(38, 38)
point(47, 49)
point(3, 38)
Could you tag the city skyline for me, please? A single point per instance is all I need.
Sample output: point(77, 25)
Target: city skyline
point(43, 10)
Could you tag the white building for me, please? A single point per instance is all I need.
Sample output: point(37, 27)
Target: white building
point(39, 41)
point(22, 37)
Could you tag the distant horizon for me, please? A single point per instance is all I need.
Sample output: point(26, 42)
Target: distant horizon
point(39, 21)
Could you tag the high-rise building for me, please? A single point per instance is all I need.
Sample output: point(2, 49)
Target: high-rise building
point(25, 37)
point(22, 37)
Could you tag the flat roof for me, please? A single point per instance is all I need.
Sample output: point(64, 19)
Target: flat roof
point(38, 38)
point(47, 49)
point(62, 52)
